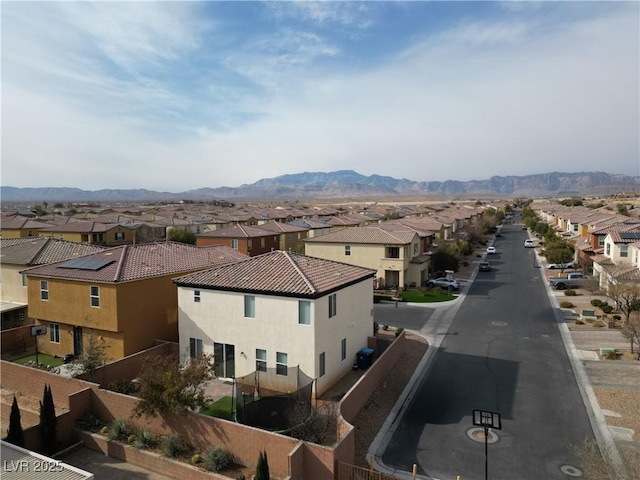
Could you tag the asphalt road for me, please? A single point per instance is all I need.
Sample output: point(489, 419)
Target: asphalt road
point(502, 353)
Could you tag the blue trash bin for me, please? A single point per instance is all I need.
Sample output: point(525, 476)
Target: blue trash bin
point(364, 358)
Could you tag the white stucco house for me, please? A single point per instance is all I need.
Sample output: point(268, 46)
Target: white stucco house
point(277, 310)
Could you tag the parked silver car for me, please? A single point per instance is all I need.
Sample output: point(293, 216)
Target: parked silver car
point(444, 282)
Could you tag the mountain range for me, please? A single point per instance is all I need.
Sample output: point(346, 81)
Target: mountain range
point(348, 184)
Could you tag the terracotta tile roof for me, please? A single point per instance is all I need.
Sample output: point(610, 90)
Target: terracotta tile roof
point(22, 223)
point(81, 227)
point(602, 260)
point(280, 227)
point(135, 262)
point(371, 235)
point(625, 236)
point(279, 273)
point(237, 231)
point(400, 226)
point(309, 224)
point(631, 273)
point(41, 250)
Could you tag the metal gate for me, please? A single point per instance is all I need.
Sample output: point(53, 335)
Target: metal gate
point(352, 472)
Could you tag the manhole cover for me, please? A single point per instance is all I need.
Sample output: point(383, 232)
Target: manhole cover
point(571, 471)
point(498, 323)
point(477, 435)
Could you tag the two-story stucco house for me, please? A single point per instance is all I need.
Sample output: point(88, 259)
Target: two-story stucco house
point(21, 253)
point(277, 310)
point(249, 240)
point(394, 255)
point(123, 295)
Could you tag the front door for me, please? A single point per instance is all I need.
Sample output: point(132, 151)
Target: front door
point(224, 360)
point(77, 342)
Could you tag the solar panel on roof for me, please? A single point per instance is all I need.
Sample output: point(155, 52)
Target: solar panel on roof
point(93, 264)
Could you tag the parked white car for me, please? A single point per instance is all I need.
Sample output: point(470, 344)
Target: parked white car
point(444, 282)
point(491, 250)
point(528, 243)
point(561, 265)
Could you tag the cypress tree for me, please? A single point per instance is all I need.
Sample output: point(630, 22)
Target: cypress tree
point(15, 434)
point(262, 469)
point(48, 421)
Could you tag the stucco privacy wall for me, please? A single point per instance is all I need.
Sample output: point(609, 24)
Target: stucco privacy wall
point(287, 456)
point(129, 367)
point(17, 340)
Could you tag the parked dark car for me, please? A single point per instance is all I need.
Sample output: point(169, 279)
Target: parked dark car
point(484, 267)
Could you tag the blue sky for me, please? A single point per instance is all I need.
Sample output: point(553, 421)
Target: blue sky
point(175, 96)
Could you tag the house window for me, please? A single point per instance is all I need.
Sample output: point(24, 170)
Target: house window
point(44, 290)
point(195, 347)
point(261, 360)
point(393, 252)
point(415, 249)
point(249, 244)
point(234, 243)
point(600, 240)
point(281, 363)
point(95, 296)
point(54, 333)
point(321, 367)
point(62, 236)
point(24, 280)
point(262, 242)
point(624, 251)
point(119, 235)
point(608, 249)
point(343, 349)
point(347, 250)
point(30, 233)
point(196, 296)
point(249, 306)
point(304, 312)
point(333, 308)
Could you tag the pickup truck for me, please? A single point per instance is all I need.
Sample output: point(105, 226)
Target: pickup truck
point(573, 280)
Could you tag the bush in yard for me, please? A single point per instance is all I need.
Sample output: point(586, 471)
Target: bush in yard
point(399, 331)
point(613, 355)
point(262, 469)
point(118, 429)
point(596, 303)
point(144, 439)
point(172, 446)
point(48, 421)
point(570, 293)
point(566, 304)
point(579, 322)
point(217, 459)
point(196, 459)
point(617, 318)
point(606, 308)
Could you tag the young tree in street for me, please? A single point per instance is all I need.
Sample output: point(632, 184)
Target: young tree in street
point(631, 331)
point(166, 386)
point(15, 434)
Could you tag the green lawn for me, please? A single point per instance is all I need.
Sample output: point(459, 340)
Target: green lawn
point(426, 296)
point(43, 358)
point(219, 409)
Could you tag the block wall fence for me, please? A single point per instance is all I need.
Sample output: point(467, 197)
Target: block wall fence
point(288, 457)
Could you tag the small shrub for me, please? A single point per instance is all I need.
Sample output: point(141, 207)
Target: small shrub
point(144, 439)
point(385, 327)
point(566, 304)
point(570, 293)
point(196, 459)
point(104, 430)
point(613, 355)
point(217, 459)
point(598, 324)
point(606, 308)
point(579, 322)
point(131, 438)
point(399, 331)
point(172, 446)
point(121, 386)
point(118, 429)
point(617, 318)
point(596, 303)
